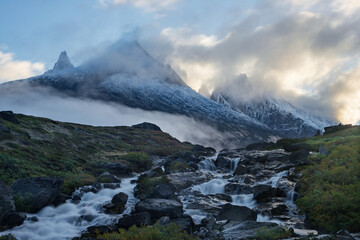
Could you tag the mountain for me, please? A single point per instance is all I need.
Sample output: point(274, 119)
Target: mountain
point(125, 73)
point(278, 114)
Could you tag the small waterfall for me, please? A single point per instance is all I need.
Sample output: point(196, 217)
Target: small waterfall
point(212, 187)
point(68, 220)
point(207, 164)
point(233, 164)
point(273, 181)
point(246, 200)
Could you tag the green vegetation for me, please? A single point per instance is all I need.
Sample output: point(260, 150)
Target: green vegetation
point(42, 147)
point(7, 237)
point(272, 233)
point(177, 166)
point(330, 186)
point(155, 232)
point(147, 185)
point(139, 161)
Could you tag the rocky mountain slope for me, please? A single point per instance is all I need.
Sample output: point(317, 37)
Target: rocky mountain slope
point(126, 74)
point(277, 114)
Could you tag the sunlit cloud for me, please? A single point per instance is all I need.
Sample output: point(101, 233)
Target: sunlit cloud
point(13, 69)
point(147, 5)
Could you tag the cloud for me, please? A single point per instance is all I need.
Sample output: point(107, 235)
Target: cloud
point(147, 5)
point(302, 54)
point(12, 69)
point(43, 102)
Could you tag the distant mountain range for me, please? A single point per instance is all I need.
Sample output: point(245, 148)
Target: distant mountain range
point(126, 74)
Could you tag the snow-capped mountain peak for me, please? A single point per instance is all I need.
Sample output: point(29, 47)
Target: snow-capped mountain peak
point(63, 62)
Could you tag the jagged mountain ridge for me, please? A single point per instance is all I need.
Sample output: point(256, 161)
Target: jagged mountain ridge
point(126, 74)
point(277, 114)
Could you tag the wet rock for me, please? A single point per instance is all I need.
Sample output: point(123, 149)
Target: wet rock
point(160, 207)
point(236, 213)
point(231, 153)
point(119, 169)
point(164, 190)
point(224, 197)
point(157, 172)
point(185, 223)
point(147, 126)
point(36, 193)
point(261, 192)
point(203, 151)
point(240, 170)
point(280, 209)
point(93, 231)
point(343, 235)
point(7, 205)
point(76, 199)
point(61, 199)
point(137, 219)
point(223, 163)
point(107, 177)
point(118, 202)
point(33, 219)
point(9, 116)
point(186, 179)
point(111, 185)
point(234, 188)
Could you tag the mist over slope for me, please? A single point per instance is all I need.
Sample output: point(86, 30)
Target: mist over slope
point(125, 74)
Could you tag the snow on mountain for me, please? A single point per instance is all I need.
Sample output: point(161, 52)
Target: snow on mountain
point(279, 115)
point(126, 74)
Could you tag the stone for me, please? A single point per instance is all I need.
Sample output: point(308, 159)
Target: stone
point(223, 163)
point(160, 207)
point(107, 177)
point(281, 209)
point(203, 151)
point(119, 169)
point(236, 213)
point(164, 190)
point(262, 192)
point(147, 126)
point(9, 116)
point(235, 188)
point(137, 219)
point(37, 192)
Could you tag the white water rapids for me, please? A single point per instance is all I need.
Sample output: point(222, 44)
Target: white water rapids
point(68, 220)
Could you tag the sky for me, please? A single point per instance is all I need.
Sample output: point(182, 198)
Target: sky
point(305, 51)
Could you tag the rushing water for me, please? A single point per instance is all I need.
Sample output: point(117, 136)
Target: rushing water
point(68, 220)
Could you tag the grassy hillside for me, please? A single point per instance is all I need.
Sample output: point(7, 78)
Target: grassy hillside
point(331, 185)
point(43, 147)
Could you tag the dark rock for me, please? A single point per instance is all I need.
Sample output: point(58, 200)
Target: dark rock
point(281, 209)
point(88, 217)
point(147, 126)
point(299, 157)
point(13, 219)
point(61, 199)
point(193, 166)
point(33, 219)
point(118, 201)
point(109, 205)
point(7, 205)
point(9, 116)
point(223, 163)
point(36, 193)
point(160, 207)
point(188, 157)
point(157, 172)
point(93, 231)
point(240, 170)
point(185, 223)
point(111, 185)
point(337, 128)
point(203, 151)
point(164, 190)
point(118, 169)
point(231, 153)
point(262, 146)
point(234, 188)
point(243, 230)
point(108, 178)
point(76, 199)
point(223, 196)
point(236, 213)
point(261, 192)
point(343, 235)
point(137, 219)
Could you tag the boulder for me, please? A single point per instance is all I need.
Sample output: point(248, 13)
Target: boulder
point(185, 223)
point(234, 188)
point(236, 213)
point(223, 163)
point(9, 116)
point(199, 150)
point(107, 177)
point(164, 190)
point(137, 219)
point(147, 126)
point(32, 194)
point(118, 169)
point(261, 192)
point(280, 209)
point(8, 217)
point(160, 207)
point(240, 170)
point(117, 204)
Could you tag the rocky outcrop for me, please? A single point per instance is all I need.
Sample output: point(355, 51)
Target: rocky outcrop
point(262, 192)
point(236, 213)
point(108, 178)
point(164, 190)
point(118, 168)
point(8, 217)
point(9, 116)
point(32, 194)
point(160, 207)
point(136, 219)
point(147, 126)
point(185, 223)
point(117, 204)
